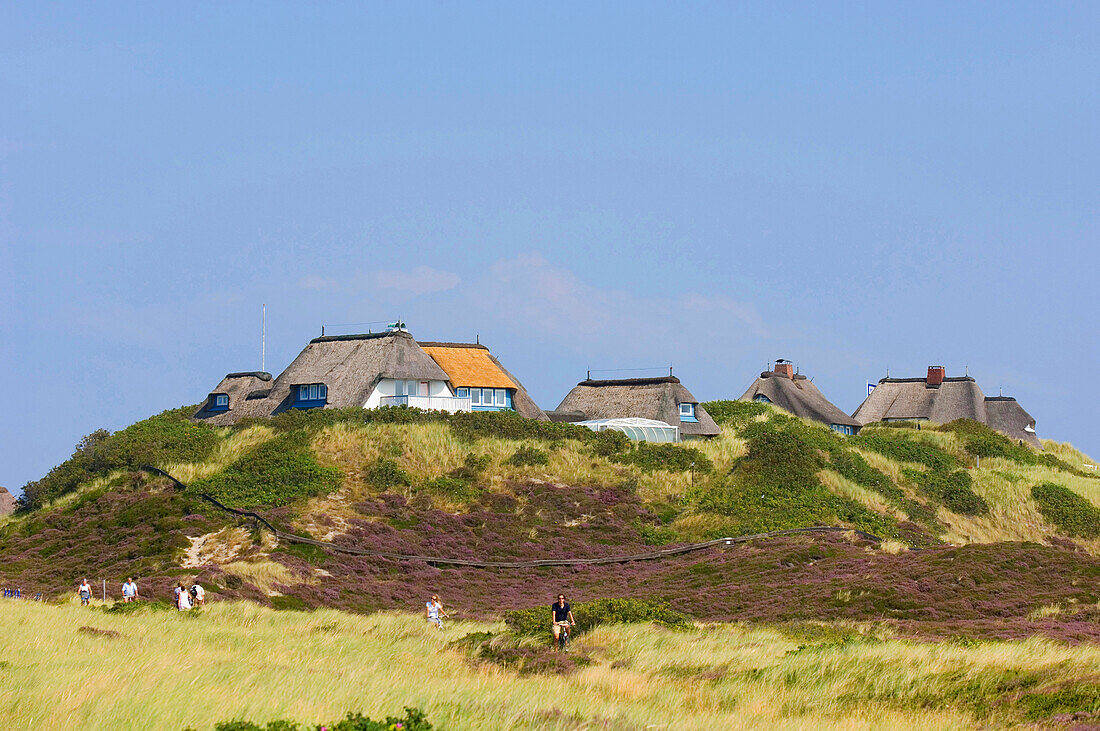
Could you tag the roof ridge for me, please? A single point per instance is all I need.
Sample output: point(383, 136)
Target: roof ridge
point(629, 381)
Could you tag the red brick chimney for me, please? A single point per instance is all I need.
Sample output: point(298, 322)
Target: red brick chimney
point(935, 375)
point(784, 368)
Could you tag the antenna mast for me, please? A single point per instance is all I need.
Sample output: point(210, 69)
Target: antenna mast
point(263, 342)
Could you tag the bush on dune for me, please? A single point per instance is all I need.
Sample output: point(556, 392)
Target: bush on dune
point(1070, 512)
point(276, 473)
point(161, 439)
point(413, 720)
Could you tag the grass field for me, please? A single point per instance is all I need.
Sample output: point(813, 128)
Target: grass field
point(69, 667)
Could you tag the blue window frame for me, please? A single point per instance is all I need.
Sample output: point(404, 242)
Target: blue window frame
point(311, 395)
point(490, 399)
point(218, 402)
point(687, 412)
point(843, 429)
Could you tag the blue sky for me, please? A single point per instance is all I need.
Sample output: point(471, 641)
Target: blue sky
point(853, 187)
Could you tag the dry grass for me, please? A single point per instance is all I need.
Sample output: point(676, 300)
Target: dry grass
point(170, 670)
point(265, 574)
point(231, 447)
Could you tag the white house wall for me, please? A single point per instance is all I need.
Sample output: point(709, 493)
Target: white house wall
point(385, 388)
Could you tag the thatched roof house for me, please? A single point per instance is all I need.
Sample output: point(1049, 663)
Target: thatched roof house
point(229, 400)
point(367, 371)
point(663, 399)
point(797, 395)
point(475, 372)
point(940, 399)
point(7, 502)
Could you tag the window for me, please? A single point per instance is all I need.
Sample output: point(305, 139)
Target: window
point(221, 400)
point(462, 393)
point(475, 397)
point(843, 429)
point(313, 392)
point(406, 388)
point(761, 399)
point(502, 397)
point(687, 412)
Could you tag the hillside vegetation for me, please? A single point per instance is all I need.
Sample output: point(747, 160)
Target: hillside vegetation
point(496, 486)
point(68, 667)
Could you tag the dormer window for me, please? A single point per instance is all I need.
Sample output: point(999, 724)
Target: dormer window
point(761, 399)
point(219, 402)
point(311, 395)
point(687, 412)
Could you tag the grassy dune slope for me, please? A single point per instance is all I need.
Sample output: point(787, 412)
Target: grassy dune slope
point(67, 667)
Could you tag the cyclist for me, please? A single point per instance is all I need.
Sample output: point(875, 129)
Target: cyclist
point(562, 618)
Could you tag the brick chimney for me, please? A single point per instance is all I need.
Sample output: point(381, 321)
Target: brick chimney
point(784, 368)
point(935, 375)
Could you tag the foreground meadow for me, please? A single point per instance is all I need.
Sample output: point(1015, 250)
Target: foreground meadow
point(68, 667)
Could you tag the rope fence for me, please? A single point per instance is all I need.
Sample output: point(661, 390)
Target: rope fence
point(533, 563)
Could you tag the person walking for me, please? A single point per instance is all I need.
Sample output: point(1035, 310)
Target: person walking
point(433, 610)
point(129, 590)
point(198, 594)
point(85, 593)
point(183, 599)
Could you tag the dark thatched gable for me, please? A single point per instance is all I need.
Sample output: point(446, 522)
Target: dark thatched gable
point(796, 395)
point(471, 364)
point(243, 390)
point(646, 398)
point(941, 400)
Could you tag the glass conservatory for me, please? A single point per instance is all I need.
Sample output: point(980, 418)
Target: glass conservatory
point(639, 430)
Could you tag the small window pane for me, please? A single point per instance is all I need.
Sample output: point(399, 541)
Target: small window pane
point(413, 388)
point(322, 391)
point(303, 393)
point(501, 397)
point(475, 396)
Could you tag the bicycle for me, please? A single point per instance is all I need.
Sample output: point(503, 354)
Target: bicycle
point(563, 635)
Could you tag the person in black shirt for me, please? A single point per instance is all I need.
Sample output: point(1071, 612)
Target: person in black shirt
point(562, 615)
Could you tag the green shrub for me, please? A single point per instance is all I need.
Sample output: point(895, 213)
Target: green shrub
point(413, 720)
point(736, 414)
point(472, 469)
point(609, 443)
point(529, 456)
point(953, 489)
point(158, 440)
point(535, 622)
point(667, 457)
point(385, 473)
point(451, 488)
point(276, 473)
point(902, 447)
point(472, 425)
point(1073, 514)
point(775, 485)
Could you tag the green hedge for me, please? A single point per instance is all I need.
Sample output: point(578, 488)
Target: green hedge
point(535, 622)
point(953, 489)
point(276, 473)
point(1073, 514)
point(413, 720)
point(736, 414)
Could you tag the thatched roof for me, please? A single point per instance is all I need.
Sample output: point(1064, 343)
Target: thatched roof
point(913, 398)
point(352, 365)
point(1008, 417)
point(955, 398)
point(243, 390)
point(797, 396)
point(7, 502)
point(472, 365)
point(646, 398)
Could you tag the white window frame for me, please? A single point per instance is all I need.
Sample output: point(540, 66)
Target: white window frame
point(690, 411)
point(475, 397)
point(462, 393)
point(501, 397)
point(221, 399)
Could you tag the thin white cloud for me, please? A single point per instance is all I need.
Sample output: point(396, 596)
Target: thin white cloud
point(316, 281)
point(421, 280)
point(530, 292)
